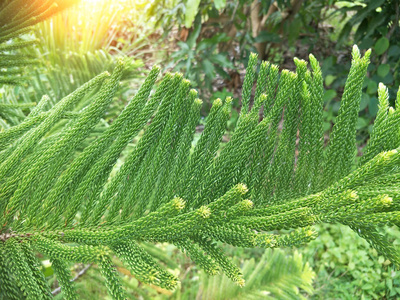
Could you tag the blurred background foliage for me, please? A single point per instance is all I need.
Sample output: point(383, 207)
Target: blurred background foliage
point(209, 41)
point(216, 37)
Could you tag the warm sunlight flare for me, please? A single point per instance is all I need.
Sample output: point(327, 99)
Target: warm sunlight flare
point(127, 2)
point(99, 2)
point(87, 26)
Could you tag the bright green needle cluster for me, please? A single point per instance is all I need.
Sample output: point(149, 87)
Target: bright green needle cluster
point(62, 196)
point(342, 146)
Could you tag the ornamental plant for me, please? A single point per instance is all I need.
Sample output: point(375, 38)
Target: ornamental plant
point(61, 195)
point(64, 204)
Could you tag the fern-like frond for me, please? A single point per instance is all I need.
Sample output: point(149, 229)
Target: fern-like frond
point(61, 195)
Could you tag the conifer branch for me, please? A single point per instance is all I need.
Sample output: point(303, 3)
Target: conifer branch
point(61, 196)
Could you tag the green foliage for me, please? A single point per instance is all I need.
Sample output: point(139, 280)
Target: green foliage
point(71, 51)
point(348, 267)
point(58, 195)
point(342, 139)
point(17, 18)
point(71, 55)
point(200, 61)
point(217, 36)
point(66, 31)
point(274, 275)
point(199, 55)
point(293, 27)
point(370, 24)
point(63, 68)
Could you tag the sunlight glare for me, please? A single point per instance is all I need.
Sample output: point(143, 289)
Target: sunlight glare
point(93, 1)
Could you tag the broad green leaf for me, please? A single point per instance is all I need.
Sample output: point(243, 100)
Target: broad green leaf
point(221, 60)
point(364, 101)
point(191, 12)
point(373, 106)
point(208, 68)
point(394, 51)
point(388, 79)
point(329, 79)
point(383, 70)
point(366, 43)
point(381, 45)
point(329, 95)
point(191, 41)
point(361, 123)
point(266, 36)
point(372, 87)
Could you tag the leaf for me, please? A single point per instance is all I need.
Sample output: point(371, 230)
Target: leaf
point(266, 36)
point(219, 4)
point(208, 68)
point(367, 286)
point(383, 70)
point(344, 33)
point(210, 44)
point(329, 79)
point(192, 7)
point(381, 45)
point(366, 43)
point(329, 95)
point(388, 79)
point(191, 41)
point(394, 51)
point(373, 24)
point(365, 11)
point(373, 106)
point(221, 72)
point(361, 123)
point(364, 102)
point(217, 38)
point(221, 60)
point(184, 46)
point(372, 87)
